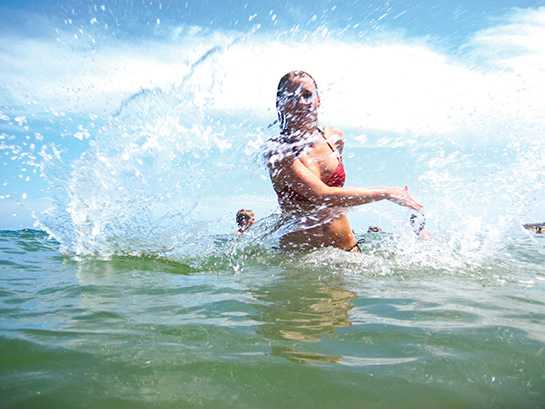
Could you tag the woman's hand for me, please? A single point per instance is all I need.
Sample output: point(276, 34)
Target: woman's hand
point(402, 197)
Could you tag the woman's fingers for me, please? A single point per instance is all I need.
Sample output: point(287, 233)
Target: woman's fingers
point(403, 198)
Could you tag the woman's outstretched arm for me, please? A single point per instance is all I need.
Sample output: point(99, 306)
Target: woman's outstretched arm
point(292, 173)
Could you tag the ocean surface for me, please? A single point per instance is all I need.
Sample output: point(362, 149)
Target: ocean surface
point(131, 132)
point(242, 325)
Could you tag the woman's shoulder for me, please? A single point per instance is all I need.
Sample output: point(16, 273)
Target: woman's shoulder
point(332, 131)
point(277, 151)
point(334, 136)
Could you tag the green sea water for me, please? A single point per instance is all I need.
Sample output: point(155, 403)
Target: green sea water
point(254, 328)
point(142, 131)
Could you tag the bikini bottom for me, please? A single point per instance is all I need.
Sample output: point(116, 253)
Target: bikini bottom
point(358, 243)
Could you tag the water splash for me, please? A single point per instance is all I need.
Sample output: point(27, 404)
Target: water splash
point(141, 187)
point(137, 190)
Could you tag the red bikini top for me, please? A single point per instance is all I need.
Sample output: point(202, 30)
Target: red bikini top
point(337, 179)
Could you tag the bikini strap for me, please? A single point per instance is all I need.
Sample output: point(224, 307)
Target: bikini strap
point(358, 244)
point(321, 130)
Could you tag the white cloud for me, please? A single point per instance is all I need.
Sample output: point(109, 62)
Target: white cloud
point(20, 214)
point(516, 44)
point(401, 86)
point(44, 73)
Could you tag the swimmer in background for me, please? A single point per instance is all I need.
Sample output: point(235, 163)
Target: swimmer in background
point(418, 224)
point(307, 172)
point(245, 219)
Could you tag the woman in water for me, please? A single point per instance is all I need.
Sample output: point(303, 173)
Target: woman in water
point(306, 169)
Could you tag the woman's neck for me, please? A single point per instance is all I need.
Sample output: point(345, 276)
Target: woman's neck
point(298, 131)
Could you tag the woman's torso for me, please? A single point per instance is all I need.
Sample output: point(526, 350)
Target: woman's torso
point(310, 225)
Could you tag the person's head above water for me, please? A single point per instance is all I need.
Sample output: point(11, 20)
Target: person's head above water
point(418, 222)
point(297, 100)
point(245, 218)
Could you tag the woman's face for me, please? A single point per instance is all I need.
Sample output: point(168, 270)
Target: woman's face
point(301, 101)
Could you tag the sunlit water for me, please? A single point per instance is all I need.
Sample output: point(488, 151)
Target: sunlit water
point(132, 294)
point(261, 329)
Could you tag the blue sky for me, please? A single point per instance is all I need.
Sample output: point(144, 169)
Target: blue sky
point(391, 73)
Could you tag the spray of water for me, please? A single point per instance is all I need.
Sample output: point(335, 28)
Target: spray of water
point(147, 183)
point(136, 191)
